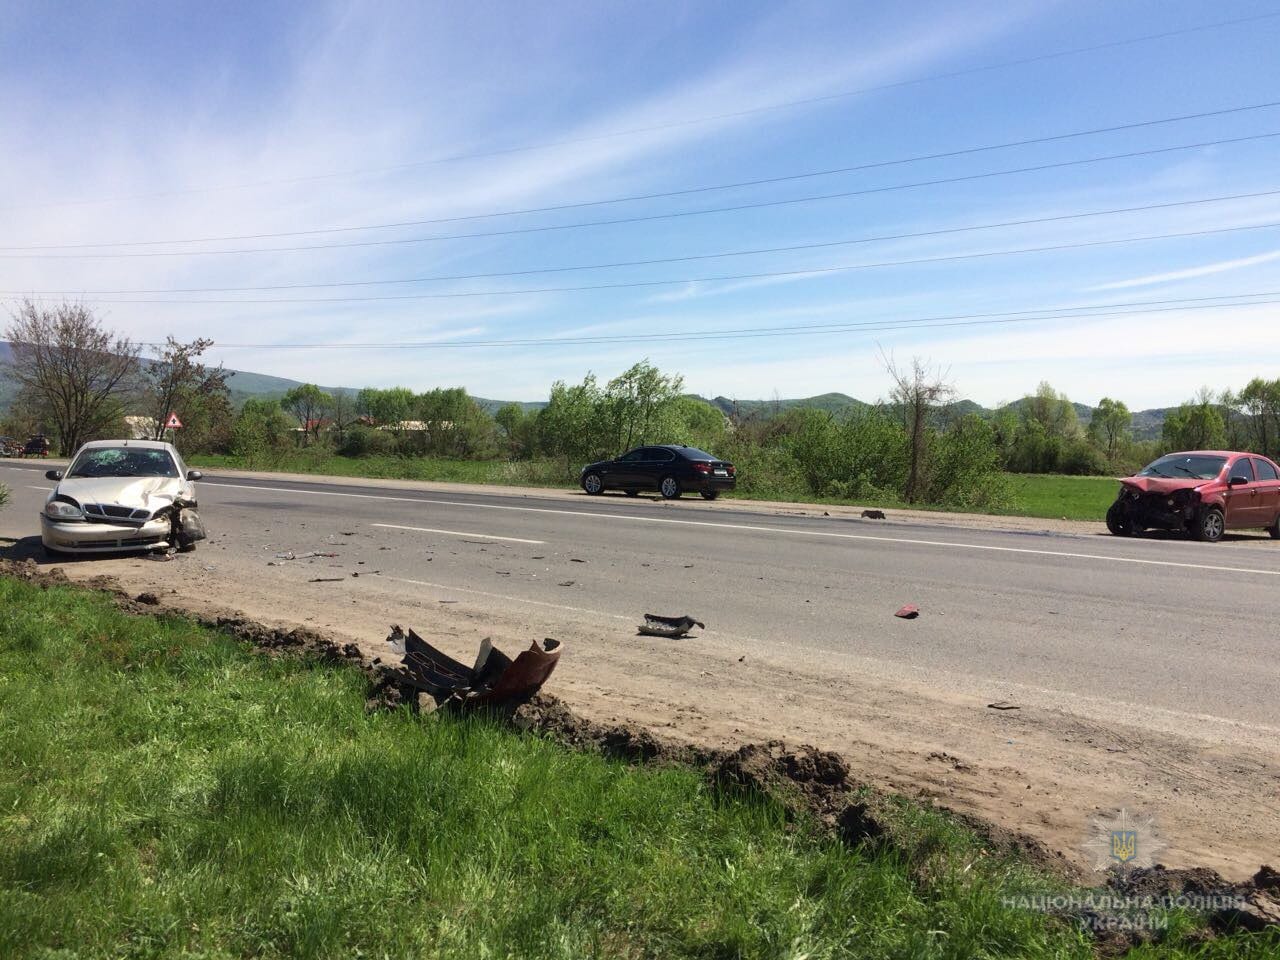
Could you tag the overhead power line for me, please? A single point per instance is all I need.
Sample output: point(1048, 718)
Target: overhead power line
point(688, 191)
point(1095, 311)
point(818, 245)
point(690, 121)
point(94, 296)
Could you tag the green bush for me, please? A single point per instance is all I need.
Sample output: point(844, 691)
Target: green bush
point(361, 441)
point(966, 471)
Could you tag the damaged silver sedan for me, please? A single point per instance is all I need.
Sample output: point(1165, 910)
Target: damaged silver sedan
point(122, 495)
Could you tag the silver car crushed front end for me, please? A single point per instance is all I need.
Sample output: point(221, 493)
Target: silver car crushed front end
point(93, 536)
point(119, 496)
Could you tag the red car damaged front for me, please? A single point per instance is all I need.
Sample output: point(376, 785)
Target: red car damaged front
point(1169, 494)
point(1201, 492)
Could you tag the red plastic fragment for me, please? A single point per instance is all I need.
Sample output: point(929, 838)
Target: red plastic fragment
point(909, 612)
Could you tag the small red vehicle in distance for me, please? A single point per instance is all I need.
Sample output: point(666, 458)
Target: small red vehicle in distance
point(1201, 492)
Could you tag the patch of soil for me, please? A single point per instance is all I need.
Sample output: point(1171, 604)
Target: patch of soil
point(1253, 905)
point(804, 779)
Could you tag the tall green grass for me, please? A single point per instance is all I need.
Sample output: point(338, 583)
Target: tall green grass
point(165, 792)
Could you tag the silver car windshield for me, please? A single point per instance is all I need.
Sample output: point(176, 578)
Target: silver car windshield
point(123, 462)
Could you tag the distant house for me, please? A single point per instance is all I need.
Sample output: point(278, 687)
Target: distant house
point(415, 426)
point(141, 428)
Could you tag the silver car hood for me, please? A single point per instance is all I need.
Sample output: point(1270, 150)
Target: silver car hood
point(146, 493)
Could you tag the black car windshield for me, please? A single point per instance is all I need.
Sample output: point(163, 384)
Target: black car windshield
point(693, 453)
point(1181, 465)
point(123, 462)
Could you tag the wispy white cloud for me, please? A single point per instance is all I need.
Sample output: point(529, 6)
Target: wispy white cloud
point(1204, 270)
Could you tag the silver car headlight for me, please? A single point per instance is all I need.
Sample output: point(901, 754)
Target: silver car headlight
point(62, 510)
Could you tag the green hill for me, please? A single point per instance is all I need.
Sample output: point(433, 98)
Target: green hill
point(830, 402)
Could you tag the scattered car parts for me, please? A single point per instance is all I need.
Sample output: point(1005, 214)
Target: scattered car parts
point(673, 628)
point(494, 679)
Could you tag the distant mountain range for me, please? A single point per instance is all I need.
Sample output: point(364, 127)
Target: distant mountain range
point(243, 384)
point(1146, 423)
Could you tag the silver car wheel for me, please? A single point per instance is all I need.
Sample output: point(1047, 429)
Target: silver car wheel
point(1213, 526)
point(591, 483)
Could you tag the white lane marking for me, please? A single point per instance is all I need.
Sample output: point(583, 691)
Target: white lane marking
point(763, 529)
point(454, 533)
point(503, 596)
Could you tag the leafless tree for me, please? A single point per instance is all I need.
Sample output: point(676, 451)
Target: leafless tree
point(177, 382)
point(77, 373)
point(918, 391)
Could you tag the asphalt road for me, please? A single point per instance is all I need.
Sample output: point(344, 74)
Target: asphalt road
point(1164, 633)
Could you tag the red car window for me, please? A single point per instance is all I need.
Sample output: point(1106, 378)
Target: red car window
point(1241, 468)
point(1265, 470)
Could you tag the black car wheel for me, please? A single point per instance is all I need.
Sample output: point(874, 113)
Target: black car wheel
point(593, 484)
point(1210, 525)
point(1117, 522)
point(710, 494)
point(669, 487)
point(1274, 529)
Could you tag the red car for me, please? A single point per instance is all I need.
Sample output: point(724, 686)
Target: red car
point(1202, 492)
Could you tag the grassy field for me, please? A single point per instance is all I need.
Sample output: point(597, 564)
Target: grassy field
point(396, 468)
point(1076, 498)
point(166, 792)
point(1047, 496)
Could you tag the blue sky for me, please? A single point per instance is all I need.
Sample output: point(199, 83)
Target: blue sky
point(137, 122)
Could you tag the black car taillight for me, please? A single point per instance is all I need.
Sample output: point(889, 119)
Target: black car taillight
point(702, 467)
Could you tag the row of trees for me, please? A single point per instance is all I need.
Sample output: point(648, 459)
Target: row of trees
point(79, 380)
point(581, 422)
point(1248, 419)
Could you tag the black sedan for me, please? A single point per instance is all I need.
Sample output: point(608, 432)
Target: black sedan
point(669, 469)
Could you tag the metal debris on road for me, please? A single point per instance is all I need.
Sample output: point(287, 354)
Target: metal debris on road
point(494, 679)
point(290, 555)
point(673, 628)
point(1003, 705)
point(909, 612)
point(567, 583)
point(328, 579)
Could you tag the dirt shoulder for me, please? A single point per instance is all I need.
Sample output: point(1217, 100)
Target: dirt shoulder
point(892, 517)
point(1030, 771)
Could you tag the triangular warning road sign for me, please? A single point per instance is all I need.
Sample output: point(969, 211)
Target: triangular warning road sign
point(173, 423)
